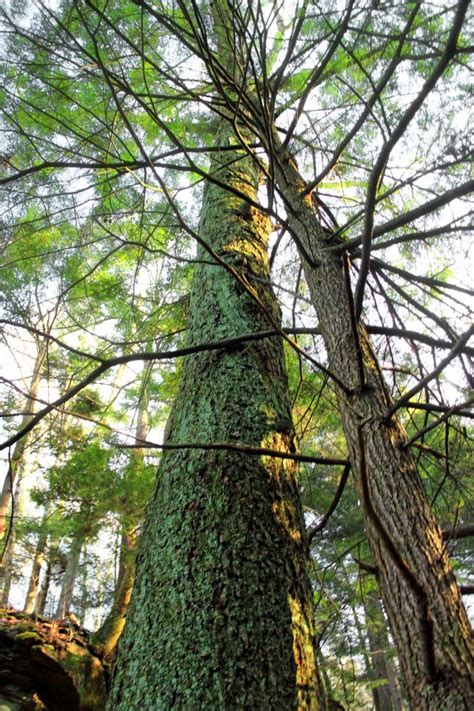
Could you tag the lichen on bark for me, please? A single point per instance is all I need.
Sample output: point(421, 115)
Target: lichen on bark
point(221, 613)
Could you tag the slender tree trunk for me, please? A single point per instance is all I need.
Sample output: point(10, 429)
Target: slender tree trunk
point(83, 603)
point(387, 696)
point(38, 561)
point(18, 455)
point(424, 607)
point(13, 491)
point(69, 578)
point(41, 598)
point(8, 567)
point(221, 613)
point(107, 636)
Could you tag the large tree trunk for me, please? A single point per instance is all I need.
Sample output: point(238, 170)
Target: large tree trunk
point(221, 613)
point(426, 614)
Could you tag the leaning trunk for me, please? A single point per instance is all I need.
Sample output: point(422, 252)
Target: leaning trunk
point(9, 564)
point(426, 614)
point(107, 636)
point(221, 613)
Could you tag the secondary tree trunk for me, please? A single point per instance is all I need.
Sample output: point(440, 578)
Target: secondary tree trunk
point(69, 578)
point(107, 636)
point(387, 696)
point(18, 456)
point(40, 604)
point(221, 613)
point(38, 561)
point(424, 607)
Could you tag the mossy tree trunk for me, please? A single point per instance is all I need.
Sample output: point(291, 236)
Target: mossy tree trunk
point(221, 614)
point(427, 618)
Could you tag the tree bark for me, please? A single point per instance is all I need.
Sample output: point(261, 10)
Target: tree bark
point(7, 568)
point(221, 612)
point(424, 607)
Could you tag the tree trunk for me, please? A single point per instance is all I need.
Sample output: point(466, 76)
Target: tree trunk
point(387, 696)
point(221, 613)
point(107, 636)
point(69, 578)
point(18, 455)
point(40, 604)
point(8, 571)
point(424, 607)
point(38, 561)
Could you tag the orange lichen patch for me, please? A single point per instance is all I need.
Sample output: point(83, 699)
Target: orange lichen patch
point(304, 655)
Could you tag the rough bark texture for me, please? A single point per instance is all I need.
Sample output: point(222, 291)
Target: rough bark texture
point(44, 666)
point(221, 614)
point(424, 607)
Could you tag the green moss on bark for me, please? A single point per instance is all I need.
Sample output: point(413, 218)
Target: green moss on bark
point(221, 612)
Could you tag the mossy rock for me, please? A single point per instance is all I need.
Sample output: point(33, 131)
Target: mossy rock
point(46, 667)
